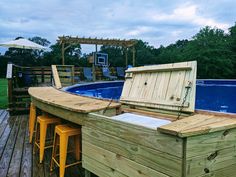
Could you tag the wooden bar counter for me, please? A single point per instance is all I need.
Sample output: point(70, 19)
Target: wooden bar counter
point(139, 138)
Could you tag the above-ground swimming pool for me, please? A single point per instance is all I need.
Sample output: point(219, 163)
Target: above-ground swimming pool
point(214, 95)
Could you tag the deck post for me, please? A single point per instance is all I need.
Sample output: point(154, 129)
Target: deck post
point(9, 76)
point(63, 53)
point(93, 68)
point(133, 56)
point(126, 57)
point(42, 74)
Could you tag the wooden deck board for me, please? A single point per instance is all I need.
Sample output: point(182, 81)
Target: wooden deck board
point(16, 153)
point(68, 101)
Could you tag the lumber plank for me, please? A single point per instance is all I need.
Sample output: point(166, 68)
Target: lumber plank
point(4, 122)
point(209, 143)
point(71, 116)
point(219, 159)
point(3, 115)
point(5, 159)
point(56, 77)
point(5, 134)
point(26, 163)
point(224, 172)
point(69, 101)
point(160, 161)
point(118, 162)
point(38, 169)
point(198, 124)
point(15, 164)
point(134, 133)
point(161, 86)
point(99, 168)
point(164, 67)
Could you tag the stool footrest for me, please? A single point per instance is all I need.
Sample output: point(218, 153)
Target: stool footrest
point(69, 165)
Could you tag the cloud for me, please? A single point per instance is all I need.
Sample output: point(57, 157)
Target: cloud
point(187, 13)
point(157, 22)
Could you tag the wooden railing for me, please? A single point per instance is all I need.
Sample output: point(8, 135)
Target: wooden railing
point(21, 78)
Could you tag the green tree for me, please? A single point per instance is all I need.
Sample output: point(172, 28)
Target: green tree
point(72, 55)
point(232, 41)
point(210, 47)
point(41, 41)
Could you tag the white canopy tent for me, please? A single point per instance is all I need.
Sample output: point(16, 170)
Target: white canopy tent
point(23, 44)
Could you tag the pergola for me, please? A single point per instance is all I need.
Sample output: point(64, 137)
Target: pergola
point(68, 40)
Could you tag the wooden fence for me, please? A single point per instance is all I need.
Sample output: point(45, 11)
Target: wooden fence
point(21, 78)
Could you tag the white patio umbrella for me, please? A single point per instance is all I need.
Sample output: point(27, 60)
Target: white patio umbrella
point(23, 44)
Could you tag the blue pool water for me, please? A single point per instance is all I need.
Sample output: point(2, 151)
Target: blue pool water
point(214, 95)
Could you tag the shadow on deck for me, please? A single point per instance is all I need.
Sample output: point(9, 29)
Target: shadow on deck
point(16, 154)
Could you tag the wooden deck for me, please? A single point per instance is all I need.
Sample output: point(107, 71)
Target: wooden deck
point(16, 156)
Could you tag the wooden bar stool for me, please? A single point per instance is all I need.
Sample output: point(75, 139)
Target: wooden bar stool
point(32, 119)
point(41, 133)
point(62, 134)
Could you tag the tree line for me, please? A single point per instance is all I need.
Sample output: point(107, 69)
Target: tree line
point(213, 48)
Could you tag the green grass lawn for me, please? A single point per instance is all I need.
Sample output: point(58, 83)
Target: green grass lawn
point(3, 94)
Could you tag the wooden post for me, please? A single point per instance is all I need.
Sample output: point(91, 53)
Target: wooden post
point(72, 74)
point(94, 72)
point(126, 57)
point(10, 91)
point(9, 76)
point(63, 53)
point(133, 56)
point(42, 75)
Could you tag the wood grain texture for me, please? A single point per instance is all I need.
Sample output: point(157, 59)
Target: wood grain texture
point(68, 101)
point(100, 169)
point(56, 77)
point(119, 163)
point(137, 134)
point(26, 162)
point(160, 161)
point(8, 149)
point(219, 159)
point(15, 164)
point(209, 143)
point(199, 124)
point(161, 86)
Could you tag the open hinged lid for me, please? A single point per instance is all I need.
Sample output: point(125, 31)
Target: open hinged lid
point(169, 86)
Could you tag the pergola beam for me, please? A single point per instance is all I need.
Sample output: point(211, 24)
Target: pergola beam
point(113, 42)
point(68, 40)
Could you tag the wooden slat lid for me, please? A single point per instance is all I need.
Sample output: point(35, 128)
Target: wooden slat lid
point(161, 86)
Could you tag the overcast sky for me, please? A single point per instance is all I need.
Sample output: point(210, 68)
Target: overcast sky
point(158, 22)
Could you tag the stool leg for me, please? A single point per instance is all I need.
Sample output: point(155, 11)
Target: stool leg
point(32, 119)
point(63, 153)
point(36, 137)
point(77, 146)
point(43, 132)
point(54, 151)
